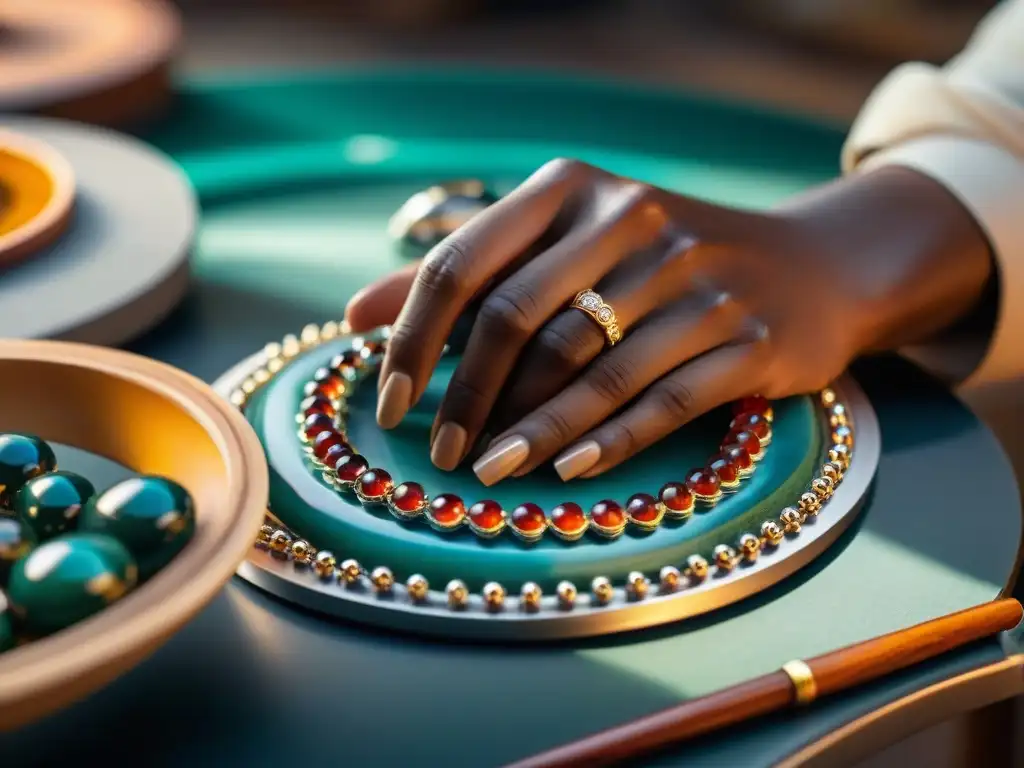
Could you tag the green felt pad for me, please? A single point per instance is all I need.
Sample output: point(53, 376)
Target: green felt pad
point(302, 500)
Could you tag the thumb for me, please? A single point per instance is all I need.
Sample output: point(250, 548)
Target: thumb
point(380, 302)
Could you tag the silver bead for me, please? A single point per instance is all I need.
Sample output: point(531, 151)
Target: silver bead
point(566, 592)
point(302, 554)
point(697, 567)
point(383, 580)
point(494, 595)
point(724, 557)
point(772, 533)
point(810, 504)
point(530, 595)
point(324, 564)
point(350, 571)
point(458, 594)
point(823, 487)
point(418, 587)
point(602, 590)
point(668, 578)
point(637, 585)
point(750, 546)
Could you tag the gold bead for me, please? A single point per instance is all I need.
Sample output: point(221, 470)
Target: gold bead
point(290, 346)
point(383, 580)
point(324, 564)
point(840, 454)
point(238, 398)
point(248, 387)
point(566, 592)
point(842, 436)
point(350, 571)
point(823, 487)
point(418, 587)
point(458, 594)
point(697, 567)
point(494, 595)
point(833, 471)
point(724, 557)
point(750, 546)
point(329, 330)
point(529, 596)
point(771, 532)
point(310, 335)
point(279, 543)
point(828, 397)
point(637, 585)
point(272, 350)
point(602, 590)
point(837, 416)
point(261, 376)
point(301, 554)
point(263, 536)
point(791, 519)
point(668, 578)
point(809, 503)
point(275, 365)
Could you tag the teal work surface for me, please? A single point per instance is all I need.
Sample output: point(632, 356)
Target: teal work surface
point(297, 178)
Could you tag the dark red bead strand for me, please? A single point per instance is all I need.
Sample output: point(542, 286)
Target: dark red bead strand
point(568, 521)
point(607, 518)
point(704, 485)
point(407, 500)
point(677, 500)
point(528, 522)
point(446, 512)
point(644, 512)
point(486, 518)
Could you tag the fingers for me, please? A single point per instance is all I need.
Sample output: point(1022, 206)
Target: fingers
point(380, 302)
point(614, 379)
point(517, 308)
point(452, 274)
point(720, 376)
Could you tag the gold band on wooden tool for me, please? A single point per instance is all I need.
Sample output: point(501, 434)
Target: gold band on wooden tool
point(803, 681)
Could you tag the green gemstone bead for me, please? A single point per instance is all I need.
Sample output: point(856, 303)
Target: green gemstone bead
point(49, 505)
point(152, 516)
point(68, 579)
point(6, 625)
point(22, 457)
point(14, 545)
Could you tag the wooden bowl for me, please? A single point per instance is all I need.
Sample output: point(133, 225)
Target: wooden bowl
point(153, 419)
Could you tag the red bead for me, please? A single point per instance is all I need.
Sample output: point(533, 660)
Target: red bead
point(676, 497)
point(642, 507)
point(447, 509)
point(751, 422)
point(350, 358)
point(528, 518)
point(350, 467)
point(752, 404)
point(317, 423)
point(738, 455)
point(329, 383)
point(318, 404)
point(703, 482)
point(374, 483)
point(748, 440)
point(325, 441)
point(408, 497)
point(728, 473)
point(607, 514)
point(486, 515)
point(568, 518)
point(334, 455)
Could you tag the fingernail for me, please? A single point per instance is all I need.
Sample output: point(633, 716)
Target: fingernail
point(394, 401)
point(501, 459)
point(448, 447)
point(577, 460)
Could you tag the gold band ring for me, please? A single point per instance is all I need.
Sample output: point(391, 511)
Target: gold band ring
point(802, 677)
point(590, 303)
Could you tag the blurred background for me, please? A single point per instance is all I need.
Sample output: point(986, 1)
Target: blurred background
point(818, 57)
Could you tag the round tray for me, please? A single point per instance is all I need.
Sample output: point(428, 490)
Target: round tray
point(152, 419)
point(121, 263)
point(421, 550)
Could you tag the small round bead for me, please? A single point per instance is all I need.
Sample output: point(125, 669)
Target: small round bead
point(383, 580)
point(418, 587)
point(842, 436)
point(637, 585)
point(724, 557)
point(747, 440)
point(750, 546)
point(833, 470)
point(350, 571)
point(810, 504)
point(280, 541)
point(458, 594)
point(828, 397)
point(263, 536)
point(494, 595)
point(837, 416)
point(409, 498)
point(668, 578)
point(642, 509)
point(841, 454)
point(771, 532)
point(677, 499)
point(323, 564)
point(791, 519)
point(823, 487)
point(301, 552)
point(530, 595)
point(566, 592)
point(602, 590)
point(751, 422)
point(704, 484)
point(697, 567)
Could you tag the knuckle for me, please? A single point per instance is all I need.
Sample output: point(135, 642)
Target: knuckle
point(464, 398)
point(554, 426)
point(624, 438)
point(445, 270)
point(675, 399)
point(562, 348)
point(509, 313)
point(614, 379)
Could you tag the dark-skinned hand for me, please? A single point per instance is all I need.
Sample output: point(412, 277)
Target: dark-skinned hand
point(714, 304)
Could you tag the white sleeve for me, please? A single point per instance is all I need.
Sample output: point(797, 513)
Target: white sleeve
point(963, 125)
